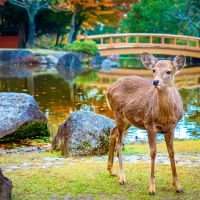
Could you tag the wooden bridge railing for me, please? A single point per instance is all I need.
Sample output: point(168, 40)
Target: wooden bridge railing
point(144, 39)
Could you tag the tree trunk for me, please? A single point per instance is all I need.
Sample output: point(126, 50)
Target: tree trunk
point(75, 33)
point(31, 34)
point(57, 38)
point(72, 31)
point(22, 35)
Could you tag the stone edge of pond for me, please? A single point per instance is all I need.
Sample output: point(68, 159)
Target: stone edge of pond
point(45, 148)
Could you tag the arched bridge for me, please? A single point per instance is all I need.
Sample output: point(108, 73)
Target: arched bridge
point(136, 43)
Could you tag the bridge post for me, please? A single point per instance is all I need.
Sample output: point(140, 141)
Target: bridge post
point(151, 39)
point(197, 43)
point(126, 39)
point(174, 41)
point(188, 42)
point(137, 39)
point(163, 40)
point(101, 40)
point(111, 40)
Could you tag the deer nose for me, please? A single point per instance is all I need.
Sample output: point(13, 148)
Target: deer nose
point(155, 82)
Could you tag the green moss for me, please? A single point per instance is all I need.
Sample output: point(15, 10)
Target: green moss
point(28, 130)
point(87, 144)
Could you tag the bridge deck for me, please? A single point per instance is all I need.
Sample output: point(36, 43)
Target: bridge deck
point(136, 43)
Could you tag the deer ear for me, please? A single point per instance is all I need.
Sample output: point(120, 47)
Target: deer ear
point(179, 62)
point(148, 60)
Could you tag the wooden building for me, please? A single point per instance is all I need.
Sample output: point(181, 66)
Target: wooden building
point(12, 28)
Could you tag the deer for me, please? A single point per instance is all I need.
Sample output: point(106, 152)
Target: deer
point(155, 106)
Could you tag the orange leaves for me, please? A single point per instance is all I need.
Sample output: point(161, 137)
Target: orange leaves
point(92, 12)
point(106, 12)
point(84, 4)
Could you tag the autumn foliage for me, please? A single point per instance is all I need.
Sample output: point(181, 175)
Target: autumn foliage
point(89, 13)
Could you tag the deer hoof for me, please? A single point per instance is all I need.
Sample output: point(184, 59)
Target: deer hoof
point(113, 174)
point(180, 190)
point(122, 182)
point(152, 193)
point(111, 171)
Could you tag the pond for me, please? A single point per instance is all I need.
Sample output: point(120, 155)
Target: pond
point(58, 94)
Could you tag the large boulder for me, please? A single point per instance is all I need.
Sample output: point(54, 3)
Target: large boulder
point(5, 187)
point(51, 60)
point(108, 65)
point(96, 61)
point(83, 133)
point(99, 62)
point(20, 117)
point(69, 66)
point(15, 56)
point(32, 59)
point(69, 60)
point(14, 71)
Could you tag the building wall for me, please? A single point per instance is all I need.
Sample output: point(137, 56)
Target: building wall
point(9, 42)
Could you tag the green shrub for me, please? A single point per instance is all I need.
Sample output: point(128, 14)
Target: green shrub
point(86, 46)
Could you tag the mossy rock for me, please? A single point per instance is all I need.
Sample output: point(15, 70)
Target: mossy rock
point(83, 133)
point(29, 130)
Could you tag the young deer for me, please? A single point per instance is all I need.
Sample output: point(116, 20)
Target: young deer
point(155, 106)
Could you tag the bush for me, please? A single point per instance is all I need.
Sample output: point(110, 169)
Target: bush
point(86, 46)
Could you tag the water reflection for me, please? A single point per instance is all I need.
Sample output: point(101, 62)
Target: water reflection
point(59, 95)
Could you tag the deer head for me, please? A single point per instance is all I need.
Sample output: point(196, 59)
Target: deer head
point(163, 70)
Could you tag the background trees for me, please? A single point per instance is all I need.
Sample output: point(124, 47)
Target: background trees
point(50, 22)
point(72, 17)
point(164, 16)
point(87, 14)
point(150, 17)
point(187, 13)
point(32, 7)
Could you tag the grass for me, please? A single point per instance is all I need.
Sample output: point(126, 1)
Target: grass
point(77, 178)
point(182, 147)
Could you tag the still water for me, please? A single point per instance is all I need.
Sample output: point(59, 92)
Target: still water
point(60, 92)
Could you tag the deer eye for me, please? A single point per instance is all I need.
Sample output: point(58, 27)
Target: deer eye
point(154, 70)
point(168, 72)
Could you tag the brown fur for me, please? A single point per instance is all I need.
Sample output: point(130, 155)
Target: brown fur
point(135, 100)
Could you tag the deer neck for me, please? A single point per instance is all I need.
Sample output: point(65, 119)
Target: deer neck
point(164, 96)
point(165, 105)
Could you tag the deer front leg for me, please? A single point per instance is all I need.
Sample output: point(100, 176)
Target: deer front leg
point(169, 139)
point(112, 144)
point(153, 150)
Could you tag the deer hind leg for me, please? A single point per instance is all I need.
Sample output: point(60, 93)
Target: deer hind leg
point(169, 139)
point(121, 127)
point(153, 150)
point(112, 144)
point(116, 137)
